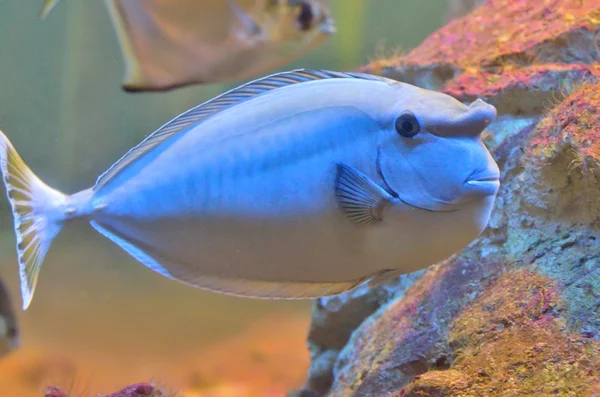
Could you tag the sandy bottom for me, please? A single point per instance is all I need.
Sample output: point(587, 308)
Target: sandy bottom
point(100, 321)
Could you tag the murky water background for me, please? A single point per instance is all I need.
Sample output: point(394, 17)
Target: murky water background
point(95, 308)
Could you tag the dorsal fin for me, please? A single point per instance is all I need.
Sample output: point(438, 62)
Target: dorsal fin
point(224, 101)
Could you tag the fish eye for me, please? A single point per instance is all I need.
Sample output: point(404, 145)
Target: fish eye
point(407, 125)
point(305, 16)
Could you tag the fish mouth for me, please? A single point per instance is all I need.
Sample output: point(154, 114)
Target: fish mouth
point(484, 186)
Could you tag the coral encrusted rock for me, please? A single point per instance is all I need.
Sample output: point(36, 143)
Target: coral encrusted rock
point(517, 312)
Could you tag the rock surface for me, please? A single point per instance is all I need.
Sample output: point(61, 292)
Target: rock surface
point(518, 311)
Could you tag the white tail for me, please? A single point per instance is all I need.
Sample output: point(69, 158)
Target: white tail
point(38, 212)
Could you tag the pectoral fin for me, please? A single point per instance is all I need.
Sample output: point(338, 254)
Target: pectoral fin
point(361, 199)
point(251, 31)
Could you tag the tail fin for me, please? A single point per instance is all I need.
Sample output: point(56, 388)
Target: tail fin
point(38, 215)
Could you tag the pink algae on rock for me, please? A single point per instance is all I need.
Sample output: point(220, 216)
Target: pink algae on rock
point(574, 123)
point(503, 31)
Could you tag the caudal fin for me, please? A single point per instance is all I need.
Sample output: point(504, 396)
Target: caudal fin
point(37, 212)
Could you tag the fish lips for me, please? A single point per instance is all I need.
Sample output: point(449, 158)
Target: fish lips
point(482, 187)
point(474, 189)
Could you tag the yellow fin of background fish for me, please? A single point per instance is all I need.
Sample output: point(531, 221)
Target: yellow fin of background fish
point(166, 45)
point(48, 7)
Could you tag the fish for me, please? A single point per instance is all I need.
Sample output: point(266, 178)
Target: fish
point(171, 44)
point(9, 331)
point(49, 5)
point(168, 44)
point(296, 185)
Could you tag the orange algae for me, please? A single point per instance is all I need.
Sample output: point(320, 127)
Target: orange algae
point(513, 342)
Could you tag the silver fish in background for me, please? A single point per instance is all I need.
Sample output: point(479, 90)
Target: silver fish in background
point(166, 44)
point(298, 185)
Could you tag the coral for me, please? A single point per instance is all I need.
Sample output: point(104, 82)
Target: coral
point(523, 90)
point(136, 390)
point(507, 343)
point(141, 390)
point(499, 33)
point(335, 317)
point(518, 311)
point(575, 122)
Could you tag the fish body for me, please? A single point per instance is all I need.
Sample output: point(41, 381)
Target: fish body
point(298, 185)
point(169, 44)
point(166, 44)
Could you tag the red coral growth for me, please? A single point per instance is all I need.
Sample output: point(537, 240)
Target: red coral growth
point(575, 123)
point(136, 390)
point(474, 83)
point(502, 28)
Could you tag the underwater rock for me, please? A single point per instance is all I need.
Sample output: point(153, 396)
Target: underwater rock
point(512, 341)
point(335, 317)
point(500, 33)
point(518, 311)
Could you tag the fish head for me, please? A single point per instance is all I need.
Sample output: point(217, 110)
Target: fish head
point(432, 156)
point(306, 21)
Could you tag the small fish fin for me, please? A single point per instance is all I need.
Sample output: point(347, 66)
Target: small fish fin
point(384, 276)
point(37, 214)
point(133, 79)
point(223, 285)
point(251, 32)
point(360, 198)
point(224, 101)
point(48, 6)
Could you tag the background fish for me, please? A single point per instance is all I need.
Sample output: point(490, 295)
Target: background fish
point(48, 7)
point(9, 332)
point(167, 44)
point(298, 185)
